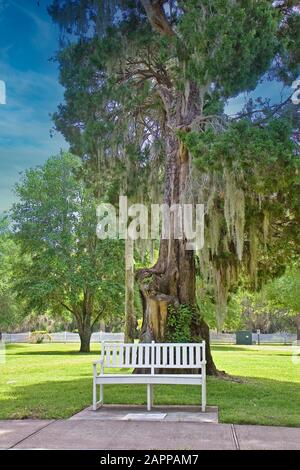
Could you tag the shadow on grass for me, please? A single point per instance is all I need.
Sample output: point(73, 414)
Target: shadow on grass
point(54, 352)
point(260, 401)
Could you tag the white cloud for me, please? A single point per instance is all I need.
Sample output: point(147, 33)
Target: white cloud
point(2, 92)
point(25, 125)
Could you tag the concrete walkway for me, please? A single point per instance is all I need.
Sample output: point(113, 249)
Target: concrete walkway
point(149, 435)
point(166, 413)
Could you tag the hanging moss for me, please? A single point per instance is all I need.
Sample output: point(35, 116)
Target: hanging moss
point(266, 225)
point(238, 175)
point(253, 243)
point(239, 223)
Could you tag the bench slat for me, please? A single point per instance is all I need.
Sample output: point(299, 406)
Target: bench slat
point(147, 356)
point(158, 356)
point(107, 355)
point(184, 356)
point(114, 357)
point(127, 355)
point(177, 348)
point(171, 355)
point(121, 356)
point(140, 356)
point(134, 355)
point(165, 355)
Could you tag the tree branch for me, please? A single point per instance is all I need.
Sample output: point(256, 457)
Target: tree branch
point(68, 308)
point(272, 110)
point(97, 317)
point(157, 17)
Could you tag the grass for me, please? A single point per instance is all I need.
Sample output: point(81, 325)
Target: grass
point(55, 381)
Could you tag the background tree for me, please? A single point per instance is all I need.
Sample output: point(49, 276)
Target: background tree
point(284, 292)
point(250, 177)
point(169, 66)
point(69, 268)
point(11, 311)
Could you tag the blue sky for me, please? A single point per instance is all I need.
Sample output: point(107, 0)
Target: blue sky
point(28, 39)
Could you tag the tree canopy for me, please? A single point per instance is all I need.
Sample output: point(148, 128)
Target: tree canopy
point(68, 268)
point(156, 74)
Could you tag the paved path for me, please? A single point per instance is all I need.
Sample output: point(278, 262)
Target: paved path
point(129, 435)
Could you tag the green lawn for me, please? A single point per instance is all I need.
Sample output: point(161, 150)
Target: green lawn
point(54, 381)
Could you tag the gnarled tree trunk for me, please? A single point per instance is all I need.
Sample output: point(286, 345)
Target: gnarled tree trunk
point(172, 281)
point(130, 320)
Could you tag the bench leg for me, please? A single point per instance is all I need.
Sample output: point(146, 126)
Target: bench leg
point(149, 397)
point(152, 394)
point(94, 395)
point(101, 394)
point(203, 400)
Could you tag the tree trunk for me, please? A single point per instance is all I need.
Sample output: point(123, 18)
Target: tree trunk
point(85, 334)
point(297, 322)
point(84, 323)
point(130, 320)
point(172, 281)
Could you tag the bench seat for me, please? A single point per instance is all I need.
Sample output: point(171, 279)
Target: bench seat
point(172, 379)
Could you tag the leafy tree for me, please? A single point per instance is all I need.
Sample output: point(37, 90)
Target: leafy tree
point(285, 293)
point(68, 269)
point(250, 178)
point(11, 311)
point(165, 69)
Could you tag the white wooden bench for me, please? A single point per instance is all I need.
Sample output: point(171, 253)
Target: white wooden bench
point(151, 356)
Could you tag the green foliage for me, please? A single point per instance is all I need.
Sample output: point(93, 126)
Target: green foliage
point(249, 176)
point(124, 79)
point(229, 45)
point(67, 268)
point(11, 310)
point(257, 152)
point(38, 337)
point(232, 320)
point(284, 291)
point(179, 324)
point(268, 310)
point(51, 322)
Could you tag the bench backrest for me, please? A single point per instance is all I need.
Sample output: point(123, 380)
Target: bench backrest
point(153, 355)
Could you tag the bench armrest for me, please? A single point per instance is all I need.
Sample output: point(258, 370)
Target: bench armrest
point(95, 363)
point(98, 362)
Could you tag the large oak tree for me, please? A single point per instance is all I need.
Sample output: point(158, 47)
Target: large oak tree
point(156, 70)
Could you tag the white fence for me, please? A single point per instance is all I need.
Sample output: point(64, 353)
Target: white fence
point(276, 338)
point(63, 337)
point(284, 338)
point(221, 338)
point(228, 338)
